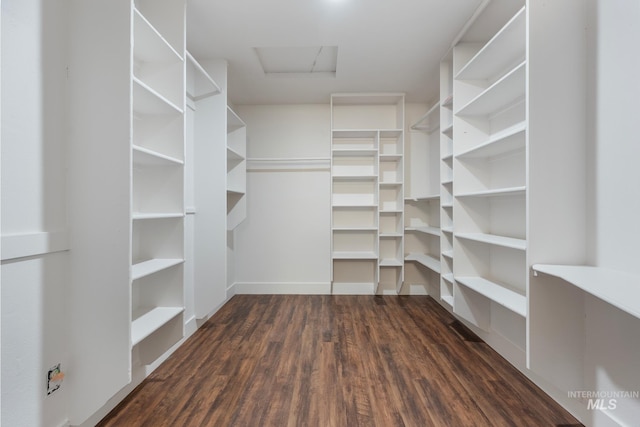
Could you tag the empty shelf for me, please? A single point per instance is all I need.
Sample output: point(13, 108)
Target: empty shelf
point(620, 289)
point(426, 260)
point(148, 320)
point(496, 292)
point(492, 239)
point(355, 255)
point(151, 266)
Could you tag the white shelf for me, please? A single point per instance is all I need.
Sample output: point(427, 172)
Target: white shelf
point(156, 215)
point(447, 101)
point(144, 156)
point(620, 289)
point(511, 191)
point(234, 155)
point(149, 44)
point(448, 157)
point(234, 121)
point(390, 262)
point(424, 198)
point(391, 235)
point(447, 230)
point(506, 48)
point(390, 157)
point(148, 101)
point(390, 133)
point(500, 143)
point(447, 182)
point(236, 191)
point(355, 229)
point(435, 231)
point(447, 299)
point(424, 259)
point(390, 184)
point(495, 292)
point(448, 277)
point(353, 152)
point(343, 177)
point(148, 320)
point(491, 239)
point(447, 205)
point(355, 255)
point(448, 130)
point(151, 266)
point(390, 211)
point(503, 93)
point(354, 133)
point(430, 121)
point(354, 206)
point(204, 85)
point(448, 254)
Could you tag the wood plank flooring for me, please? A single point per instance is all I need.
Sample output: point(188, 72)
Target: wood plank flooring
point(343, 361)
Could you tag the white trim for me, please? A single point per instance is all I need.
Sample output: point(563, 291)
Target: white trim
point(32, 244)
point(281, 288)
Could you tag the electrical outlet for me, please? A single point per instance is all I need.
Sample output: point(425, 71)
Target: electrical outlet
point(54, 379)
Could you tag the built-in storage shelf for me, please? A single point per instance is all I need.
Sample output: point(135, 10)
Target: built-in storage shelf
point(234, 122)
point(447, 101)
point(202, 85)
point(428, 197)
point(355, 255)
point(390, 262)
point(150, 45)
point(448, 254)
point(496, 292)
point(430, 121)
point(137, 216)
point(425, 260)
point(448, 130)
point(145, 156)
point(234, 156)
point(434, 231)
point(353, 152)
point(447, 157)
point(505, 49)
point(447, 299)
point(507, 91)
point(148, 320)
point(448, 277)
point(146, 268)
point(501, 143)
point(620, 289)
point(355, 228)
point(148, 101)
point(498, 192)
point(491, 239)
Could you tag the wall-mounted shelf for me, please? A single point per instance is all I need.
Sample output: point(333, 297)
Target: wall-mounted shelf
point(495, 292)
point(491, 239)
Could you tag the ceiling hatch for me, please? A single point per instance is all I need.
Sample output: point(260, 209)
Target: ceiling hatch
point(298, 61)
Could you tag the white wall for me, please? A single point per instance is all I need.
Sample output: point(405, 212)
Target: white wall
point(283, 246)
point(34, 273)
point(612, 349)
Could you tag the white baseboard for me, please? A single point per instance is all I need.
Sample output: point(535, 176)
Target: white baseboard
point(291, 288)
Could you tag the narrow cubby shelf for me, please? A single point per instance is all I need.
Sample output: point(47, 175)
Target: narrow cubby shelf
point(146, 268)
point(348, 152)
point(505, 92)
point(448, 277)
point(448, 130)
point(149, 44)
point(356, 178)
point(145, 156)
point(492, 239)
point(617, 288)
point(447, 101)
point(430, 121)
point(447, 157)
point(425, 260)
point(234, 155)
point(390, 262)
point(428, 197)
point(448, 254)
point(447, 230)
point(147, 320)
point(496, 292)
point(355, 228)
point(506, 48)
point(501, 143)
point(497, 192)
point(447, 205)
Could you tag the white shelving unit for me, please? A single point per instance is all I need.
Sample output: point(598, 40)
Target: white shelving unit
point(236, 170)
point(367, 174)
point(127, 157)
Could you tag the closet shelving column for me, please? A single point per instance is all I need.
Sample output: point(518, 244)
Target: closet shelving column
point(158, 152)
point(236, 170)
point(205, 188)
point(367, 167)
point(422, 229)
point(490, 182)
point(446, 180)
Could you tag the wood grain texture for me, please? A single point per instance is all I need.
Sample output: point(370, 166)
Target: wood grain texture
point(288, 360)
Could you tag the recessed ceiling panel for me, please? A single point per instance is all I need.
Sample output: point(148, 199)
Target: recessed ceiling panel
point(298, 61)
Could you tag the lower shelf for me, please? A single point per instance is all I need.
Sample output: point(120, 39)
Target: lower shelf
point(149, 319)
point(496, 292)
point(355, 255)
point(424, 259)
point(447, 299)
point(151, 266)
point(353, 288)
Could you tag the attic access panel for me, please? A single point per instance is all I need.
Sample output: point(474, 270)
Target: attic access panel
point(298, 61)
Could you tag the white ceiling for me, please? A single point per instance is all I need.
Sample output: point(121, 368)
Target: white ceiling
point(383, 45)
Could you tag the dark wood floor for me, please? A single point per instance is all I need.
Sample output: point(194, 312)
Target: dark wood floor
point(335, 361)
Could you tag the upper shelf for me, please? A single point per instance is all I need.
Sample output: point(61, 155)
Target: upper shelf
point(503, 93)
point(234, 121)
point(505, 49)
point(202, 84)
point(148, 101)
point(430, 121)
point(506, 141)
point(150, 45)
point(621, 290)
